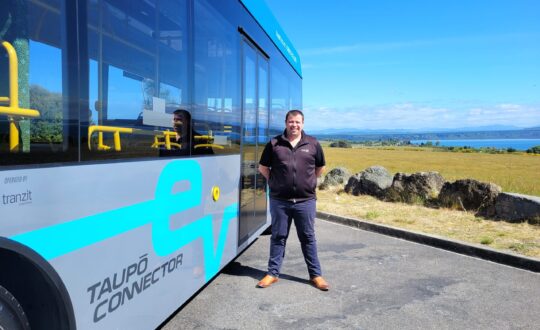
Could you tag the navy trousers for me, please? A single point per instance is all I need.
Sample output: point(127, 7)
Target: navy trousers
point(303, 214)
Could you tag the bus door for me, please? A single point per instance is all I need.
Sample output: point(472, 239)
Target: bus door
point(255, 105)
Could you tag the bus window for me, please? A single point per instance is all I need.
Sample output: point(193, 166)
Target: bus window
point(34, 117)
point(217, 93)
point(138, 76)
point(286, 89)
point(280, 106)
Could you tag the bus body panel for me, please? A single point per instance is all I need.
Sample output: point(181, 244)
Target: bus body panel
point(182, 215)
point(91, 213)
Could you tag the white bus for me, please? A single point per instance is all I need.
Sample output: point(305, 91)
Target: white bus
point(110, 216)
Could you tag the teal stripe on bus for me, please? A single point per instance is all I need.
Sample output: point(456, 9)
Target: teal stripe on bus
point(58, 240)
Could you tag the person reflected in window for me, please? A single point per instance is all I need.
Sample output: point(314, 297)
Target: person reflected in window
point(182, 127)
point(185, 140)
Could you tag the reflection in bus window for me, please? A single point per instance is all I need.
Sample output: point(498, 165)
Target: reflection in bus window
point(186, 140)
point(31, 78)
point(286, 95)
point(217, 95)
point(138, 75)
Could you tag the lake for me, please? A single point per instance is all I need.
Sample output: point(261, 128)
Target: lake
point(518, 144)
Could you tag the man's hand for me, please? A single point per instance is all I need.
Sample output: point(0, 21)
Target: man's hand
point(319, 171)
point(265, 171)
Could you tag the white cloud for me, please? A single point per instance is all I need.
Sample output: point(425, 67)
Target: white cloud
point(510, 107)
point(361, 47)
point(419, 116)
point(505, 114)
point(392, 45)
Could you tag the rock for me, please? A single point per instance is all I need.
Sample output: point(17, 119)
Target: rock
point(340, 144)
point(419, 187)
point(372, 181)
point(336, 177)
point(470, 195)
point(517, 208)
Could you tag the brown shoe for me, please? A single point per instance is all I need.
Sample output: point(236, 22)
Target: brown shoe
point(267, 281)
point(320, 283)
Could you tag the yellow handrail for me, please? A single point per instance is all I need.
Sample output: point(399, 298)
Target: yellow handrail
point(166, 135)
point(108, 129)
point(208, 145)
point(209, 142)
point(12, 110)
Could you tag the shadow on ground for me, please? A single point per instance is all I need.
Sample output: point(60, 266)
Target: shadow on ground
point(235, 268)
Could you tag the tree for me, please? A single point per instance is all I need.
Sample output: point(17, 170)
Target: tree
point(534, 150)
point(48, 127)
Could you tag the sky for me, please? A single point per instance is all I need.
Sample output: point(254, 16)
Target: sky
point(416, 64)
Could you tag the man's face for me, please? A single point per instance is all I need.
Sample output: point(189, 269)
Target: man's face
point(178, 121)
point(294, 125)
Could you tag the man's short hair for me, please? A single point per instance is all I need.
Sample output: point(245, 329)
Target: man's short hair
point(294, 112)
point(183, 112)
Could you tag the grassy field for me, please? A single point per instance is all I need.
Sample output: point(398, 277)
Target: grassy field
point(513, 172)
point(519, 172)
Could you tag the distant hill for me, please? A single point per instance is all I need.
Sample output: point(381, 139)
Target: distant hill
point(487, 132)
point(353, 131)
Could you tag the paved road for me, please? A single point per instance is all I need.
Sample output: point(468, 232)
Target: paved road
point(377, 282)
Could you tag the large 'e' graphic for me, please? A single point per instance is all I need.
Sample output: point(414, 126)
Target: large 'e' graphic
point(57, 240)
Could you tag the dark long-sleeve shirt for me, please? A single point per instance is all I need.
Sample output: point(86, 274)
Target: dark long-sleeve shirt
point(292, 170)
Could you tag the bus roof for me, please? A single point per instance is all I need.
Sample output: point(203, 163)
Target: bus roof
point(262, 14)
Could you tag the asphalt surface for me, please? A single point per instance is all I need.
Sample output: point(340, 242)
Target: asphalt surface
point(377, 282)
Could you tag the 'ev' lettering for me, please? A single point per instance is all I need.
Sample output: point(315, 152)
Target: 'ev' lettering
point(164, 239)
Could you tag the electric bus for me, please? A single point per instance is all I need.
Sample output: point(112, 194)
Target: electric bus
point(104, 223)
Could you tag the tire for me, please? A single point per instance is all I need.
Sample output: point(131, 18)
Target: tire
point(12, 316)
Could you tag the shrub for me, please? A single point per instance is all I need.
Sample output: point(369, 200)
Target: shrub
point(340, 144)
point(370, 215)
point(534, 150)
point(486, 240)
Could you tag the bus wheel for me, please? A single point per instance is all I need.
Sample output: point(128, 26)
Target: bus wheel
point(12, 315)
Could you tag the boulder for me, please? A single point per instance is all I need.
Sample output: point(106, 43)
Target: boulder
point(517, 208)
point(372, 181)
point(340, 144)
point(336, 177)
point(470, 195)
point(418, 187)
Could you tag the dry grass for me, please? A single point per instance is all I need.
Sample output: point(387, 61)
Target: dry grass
point(463, 226)
point(518, 172)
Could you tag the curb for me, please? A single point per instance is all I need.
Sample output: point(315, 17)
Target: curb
point(508, 259)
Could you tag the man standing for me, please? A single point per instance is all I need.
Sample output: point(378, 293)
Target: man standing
point(291, 163)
